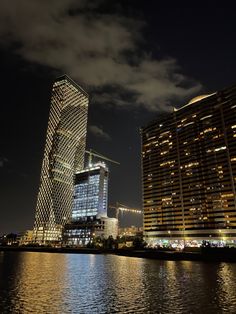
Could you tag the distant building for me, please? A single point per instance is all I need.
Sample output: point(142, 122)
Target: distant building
point(128, 236)
point(89, 211)
point(130, 231)
point(63, 155)
point(26, 237)
point(9, 239)
point(189, 171)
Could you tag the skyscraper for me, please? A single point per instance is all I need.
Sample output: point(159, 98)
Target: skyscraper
point(189, 171)
point(89, 211)
point(89, 204)
point(63, 155)
point(90, 193)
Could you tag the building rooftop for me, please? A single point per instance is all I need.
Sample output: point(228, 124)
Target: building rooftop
point(66, 77)
point(194, 100)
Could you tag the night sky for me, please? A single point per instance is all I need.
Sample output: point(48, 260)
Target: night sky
point(135, 59)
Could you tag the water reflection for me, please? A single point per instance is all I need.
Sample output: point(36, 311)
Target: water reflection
point(64, 283)
point(35, 280)
point(226, 288)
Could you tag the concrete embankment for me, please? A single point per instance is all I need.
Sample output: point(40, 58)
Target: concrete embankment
point(204, 254)
point(50, 249)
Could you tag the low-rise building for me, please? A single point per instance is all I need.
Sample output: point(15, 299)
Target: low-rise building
point(26, 237)
point(109, 228)
point(131, 231)
point(83, 232)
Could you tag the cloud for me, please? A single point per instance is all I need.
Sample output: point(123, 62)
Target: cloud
point(98, 132)
point(96, 48)
point(3, 162)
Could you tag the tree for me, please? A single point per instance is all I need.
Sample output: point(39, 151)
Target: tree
point(138, 243)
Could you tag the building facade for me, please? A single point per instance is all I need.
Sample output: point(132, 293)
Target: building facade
point(90, 193)
point(109, 228)
point(81, 233)
point(63, 156)
point(189, 171)
point(26, 237)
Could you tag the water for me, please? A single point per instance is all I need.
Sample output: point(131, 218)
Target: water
point(70, 283)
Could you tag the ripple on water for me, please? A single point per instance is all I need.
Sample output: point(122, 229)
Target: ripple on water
point(70, 283)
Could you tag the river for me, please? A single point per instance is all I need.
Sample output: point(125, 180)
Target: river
point(85, 283)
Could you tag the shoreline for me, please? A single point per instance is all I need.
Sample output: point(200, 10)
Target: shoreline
point(205, 254)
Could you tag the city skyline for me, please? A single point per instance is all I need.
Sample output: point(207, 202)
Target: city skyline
point(147, 56)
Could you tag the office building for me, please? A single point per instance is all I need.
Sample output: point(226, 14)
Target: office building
point(90, 193)
point(89, 212)
point(189, 171)
point(63, 156)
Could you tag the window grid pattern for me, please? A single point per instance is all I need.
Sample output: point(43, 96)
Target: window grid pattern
point(63, 155)
point(189, 170)
point(90, 193)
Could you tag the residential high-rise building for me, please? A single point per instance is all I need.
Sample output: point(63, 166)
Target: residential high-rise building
point(189, 171)
point(63, 156)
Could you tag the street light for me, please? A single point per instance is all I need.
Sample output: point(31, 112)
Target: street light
point(220, 232)
point(169, 232)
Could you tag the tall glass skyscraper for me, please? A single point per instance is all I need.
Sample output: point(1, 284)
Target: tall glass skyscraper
point(89, 211)
point(189, 171)
point(63, 156)
point(90, 193)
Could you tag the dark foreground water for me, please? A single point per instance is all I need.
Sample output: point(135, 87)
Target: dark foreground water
point(70, 283)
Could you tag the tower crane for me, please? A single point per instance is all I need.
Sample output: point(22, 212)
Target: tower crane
point(92, 153)
point(123, 208)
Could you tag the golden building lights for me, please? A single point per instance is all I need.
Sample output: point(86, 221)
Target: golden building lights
point(63, 155)
point(189, 170)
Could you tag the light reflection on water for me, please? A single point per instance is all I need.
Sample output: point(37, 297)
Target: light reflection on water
point(71, 283)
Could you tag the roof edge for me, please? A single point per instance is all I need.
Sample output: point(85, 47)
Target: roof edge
point(69, 79)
